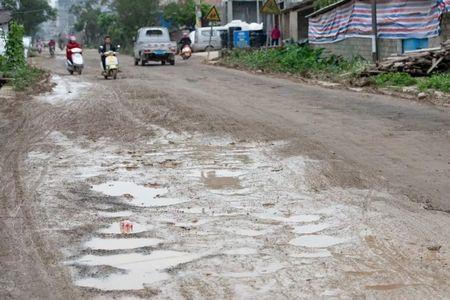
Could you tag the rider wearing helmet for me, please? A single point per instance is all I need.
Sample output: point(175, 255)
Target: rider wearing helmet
point(72, 44)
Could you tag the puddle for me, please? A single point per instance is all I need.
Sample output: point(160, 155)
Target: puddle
point(117, 228)
point(141, 269)
point(291, 219)
point(115, 214)
point(137, 195)
point(121, 244)
point(310, 228)
point(316, 241)
point(220, 180)
point(241, 251)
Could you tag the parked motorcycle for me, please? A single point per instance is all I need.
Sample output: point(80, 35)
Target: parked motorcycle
point(76, 65)
point(186, 52)
point(111, 65)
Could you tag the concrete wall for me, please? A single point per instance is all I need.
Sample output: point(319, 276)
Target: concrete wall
point(352, 47)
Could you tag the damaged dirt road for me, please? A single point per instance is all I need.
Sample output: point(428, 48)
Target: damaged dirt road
point(198, 182)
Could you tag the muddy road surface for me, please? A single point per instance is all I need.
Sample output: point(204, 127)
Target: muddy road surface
point(198, 182)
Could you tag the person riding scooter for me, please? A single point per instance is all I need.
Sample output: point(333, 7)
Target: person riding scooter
point(185, 40)
point(51, 47)
point(106, 47)
point(71, 45)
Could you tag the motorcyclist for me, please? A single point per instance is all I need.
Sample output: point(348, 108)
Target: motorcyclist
point(71, 45)
point(106, 47)
point(185, 40)
point(51, 46)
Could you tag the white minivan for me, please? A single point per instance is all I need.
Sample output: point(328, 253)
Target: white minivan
point(201, 37)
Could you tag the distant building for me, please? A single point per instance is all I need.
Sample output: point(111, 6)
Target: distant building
point(5, 18)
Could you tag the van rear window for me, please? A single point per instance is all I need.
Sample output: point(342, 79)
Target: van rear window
point(154, 32)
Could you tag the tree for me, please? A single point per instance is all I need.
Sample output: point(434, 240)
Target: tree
point(87, 15)
point(30, 13)
point(15, 56)
point(183, 14)
point(131, 15)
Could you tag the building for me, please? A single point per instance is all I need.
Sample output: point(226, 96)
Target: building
point(345, 28)
point(5, 18)
point(294, 22)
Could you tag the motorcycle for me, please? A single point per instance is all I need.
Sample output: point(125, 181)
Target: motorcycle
point(52, 50)
point(76, 65)
point(186, 52)
point(111, 65)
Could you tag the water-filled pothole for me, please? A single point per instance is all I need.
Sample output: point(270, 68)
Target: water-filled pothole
point(118, 228)
point(141, 269)
point(137, 195)
point(121, 244)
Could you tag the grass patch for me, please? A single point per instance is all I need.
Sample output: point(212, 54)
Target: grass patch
point(25, 77)
point(439, 82)
point(304, 60)
point(394, 79)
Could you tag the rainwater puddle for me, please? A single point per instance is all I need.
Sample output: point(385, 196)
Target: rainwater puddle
point(137, 195)
point(121, 244)
point(241, 251)
point(316, 241)
point(141, 269)
point(115, 214)
point(291, 219)
point(116, 228)
point(310, 228)
point(220, 180)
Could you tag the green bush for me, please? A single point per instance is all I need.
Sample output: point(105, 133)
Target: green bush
point(304, 60)
point(395, 79)
point(440, 82)
point(15, 58)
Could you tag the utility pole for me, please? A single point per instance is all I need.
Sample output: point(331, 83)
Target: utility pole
point(375, 53)
point(198, 14)
point(258, 13)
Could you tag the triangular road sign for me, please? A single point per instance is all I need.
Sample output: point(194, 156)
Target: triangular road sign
point(270, 8)
point(213, 15)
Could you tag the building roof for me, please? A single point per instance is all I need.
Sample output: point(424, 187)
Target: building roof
point(327, 8)
point(296, 4)
point(5, 16)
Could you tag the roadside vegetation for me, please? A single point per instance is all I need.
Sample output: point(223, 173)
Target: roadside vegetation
point(13, 66)
point(309, 62)
point(302, 60)
point(439, 82)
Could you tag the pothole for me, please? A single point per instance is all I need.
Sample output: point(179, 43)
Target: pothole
point(141, 269)
point(137, 195)
point(218, 180)
point(119, 228)
point(121, 244)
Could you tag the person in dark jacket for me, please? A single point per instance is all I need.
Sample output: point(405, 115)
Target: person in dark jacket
point(185, 40)
point(106, 47)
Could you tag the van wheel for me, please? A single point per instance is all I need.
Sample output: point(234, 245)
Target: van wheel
point(172, 62)
point(136, 62)
point(163, 62)
point(142, 62)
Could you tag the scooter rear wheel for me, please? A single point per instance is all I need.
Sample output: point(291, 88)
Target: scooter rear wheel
point(114, 74)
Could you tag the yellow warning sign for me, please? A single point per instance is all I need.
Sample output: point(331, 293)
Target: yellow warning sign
point(270, 8)
point(213, 15)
